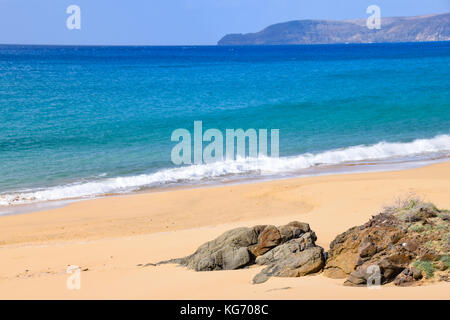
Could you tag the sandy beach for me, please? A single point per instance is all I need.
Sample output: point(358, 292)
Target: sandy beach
point(109, 237)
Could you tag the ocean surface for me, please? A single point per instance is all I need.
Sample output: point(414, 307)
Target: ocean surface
point(80, 122)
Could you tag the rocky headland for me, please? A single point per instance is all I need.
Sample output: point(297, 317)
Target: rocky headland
point(395, 29)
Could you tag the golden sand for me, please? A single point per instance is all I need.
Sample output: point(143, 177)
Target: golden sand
point(109, 237)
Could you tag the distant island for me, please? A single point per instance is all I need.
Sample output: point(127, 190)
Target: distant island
point(399, 29)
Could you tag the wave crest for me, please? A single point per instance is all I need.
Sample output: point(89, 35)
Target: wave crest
point(249, 166)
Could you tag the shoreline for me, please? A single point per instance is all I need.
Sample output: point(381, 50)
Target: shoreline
point(109, 237)
point(329, 170)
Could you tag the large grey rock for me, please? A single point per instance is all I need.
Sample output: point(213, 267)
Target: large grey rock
point(296, 264)
point(285, 250)
point(227, 252)
point(288, 251)
point(239, 247)
point(295, 258)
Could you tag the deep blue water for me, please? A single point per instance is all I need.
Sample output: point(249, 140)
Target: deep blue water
point(74, 118)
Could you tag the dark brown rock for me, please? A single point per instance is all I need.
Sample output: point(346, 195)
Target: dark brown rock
point(394, 241)
point(270, 237)
point(367, 248)
point(408, 277)
point(293, 230)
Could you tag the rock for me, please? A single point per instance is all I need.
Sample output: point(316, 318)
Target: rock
point(416, 273)
point(441, 266)
point(444, 277)
point(404, 280)
point(392, 242)
point(445, 215)
point(343, 254)
point(270, 237)
point(227, 252)
point(392, 265)
point(302, 263)
point(287, 249)
point(429, 255)
point(410, 245)
point(295, 258)
point(260, 278)
point(293, 230)
point(407, 245)
point(335, 273)
point(238, 248)
point(367, 248)
point(356, 278)
point(235, 258)
point(408, 277)
point(296, 265)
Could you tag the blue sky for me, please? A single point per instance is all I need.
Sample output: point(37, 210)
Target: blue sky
point(177, 22)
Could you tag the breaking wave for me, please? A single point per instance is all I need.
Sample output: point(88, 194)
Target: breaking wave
point(263, 166)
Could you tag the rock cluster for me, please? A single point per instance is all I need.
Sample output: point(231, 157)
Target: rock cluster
point(287, 251)
point(408, 243)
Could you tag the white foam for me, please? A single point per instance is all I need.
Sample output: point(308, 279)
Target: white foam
point(249, 166)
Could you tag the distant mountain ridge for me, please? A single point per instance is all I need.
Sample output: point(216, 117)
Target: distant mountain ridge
point(398, 29)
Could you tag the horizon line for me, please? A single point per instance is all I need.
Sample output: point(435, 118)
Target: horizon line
point(215, 45)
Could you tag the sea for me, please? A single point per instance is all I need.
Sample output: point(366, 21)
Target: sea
point(79, 122)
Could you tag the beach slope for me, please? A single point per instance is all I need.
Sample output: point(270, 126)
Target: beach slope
point(111, 239)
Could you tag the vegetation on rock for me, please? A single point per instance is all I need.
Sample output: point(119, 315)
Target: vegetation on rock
point(409, 242)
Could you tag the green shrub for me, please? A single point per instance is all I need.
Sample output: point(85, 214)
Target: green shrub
point(425, 266)
point(417, 228)
point(446, 259)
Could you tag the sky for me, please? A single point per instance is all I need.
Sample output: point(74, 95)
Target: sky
point(177, 22)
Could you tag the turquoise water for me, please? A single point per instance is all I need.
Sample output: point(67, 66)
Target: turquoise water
point(85, 121)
